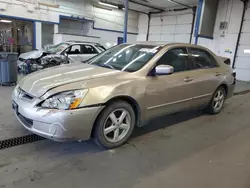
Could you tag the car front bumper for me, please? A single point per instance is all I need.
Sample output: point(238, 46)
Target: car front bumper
point(57, 125)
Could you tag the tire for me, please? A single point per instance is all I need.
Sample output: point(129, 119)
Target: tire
point(217, 102)
point(108, 126)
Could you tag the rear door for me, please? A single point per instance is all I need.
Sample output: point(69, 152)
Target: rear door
point(87, 51)
point(206, 72)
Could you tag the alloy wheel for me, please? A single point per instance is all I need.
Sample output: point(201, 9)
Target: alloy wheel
point(117, 125)
point(218, 100)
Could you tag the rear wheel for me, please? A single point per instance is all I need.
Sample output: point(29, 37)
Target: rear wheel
point(114, 125)
point(217, 102)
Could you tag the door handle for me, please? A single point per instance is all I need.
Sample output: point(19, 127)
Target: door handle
point(187, 79)
point(217, 74)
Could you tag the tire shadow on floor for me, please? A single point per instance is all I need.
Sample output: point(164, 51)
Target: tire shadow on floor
point(166, 121)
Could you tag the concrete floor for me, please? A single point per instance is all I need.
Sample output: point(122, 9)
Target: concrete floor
point(188, 150)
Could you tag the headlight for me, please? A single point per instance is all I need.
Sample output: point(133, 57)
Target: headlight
point(16, 91)
point(65, 101)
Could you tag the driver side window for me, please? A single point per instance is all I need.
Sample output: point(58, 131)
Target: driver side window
point(74, 50)
point(176, 58)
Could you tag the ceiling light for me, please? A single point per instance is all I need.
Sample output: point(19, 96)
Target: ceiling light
point(108, 5)
point(6, 21)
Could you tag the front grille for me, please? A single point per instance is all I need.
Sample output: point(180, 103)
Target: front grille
point(26, 121)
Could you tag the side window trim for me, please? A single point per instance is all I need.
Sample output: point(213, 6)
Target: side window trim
point(67, 49)
point(189, 49)
point(166, 51)
point(84, 46)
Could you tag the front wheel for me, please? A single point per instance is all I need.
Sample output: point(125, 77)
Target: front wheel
point(217, 102)
point(114, 125)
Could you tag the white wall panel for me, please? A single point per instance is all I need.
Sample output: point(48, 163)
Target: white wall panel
point(241, 49)
point(153, 37)
point(142, 27)
point(243, 74)
point(168, 29)
point(184, 19)
point(242, 63)
point(246, 26)
point(182, 38)
point(168, 20)
point(155, 21)
point(155, 29)
point(167, 38)
point(171, 27)
point(186, 28)
point(245, 38)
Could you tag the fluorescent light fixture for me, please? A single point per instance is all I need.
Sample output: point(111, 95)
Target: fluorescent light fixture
point(6, 21)
point(108, 5)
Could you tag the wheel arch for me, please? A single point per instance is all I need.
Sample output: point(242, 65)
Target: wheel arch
point(129, 100)
point(225, 87)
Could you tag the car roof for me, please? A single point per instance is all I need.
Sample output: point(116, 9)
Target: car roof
point(164, 44)
point(81, 42)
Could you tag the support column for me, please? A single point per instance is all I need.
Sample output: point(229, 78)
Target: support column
point(198, 20)
point(125, 21)
point(56, 30)
point(37, 35)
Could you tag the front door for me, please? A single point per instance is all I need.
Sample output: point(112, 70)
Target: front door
point(172, 93)
point(74, 53)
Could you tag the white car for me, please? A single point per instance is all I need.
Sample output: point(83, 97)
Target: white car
point(66, 52)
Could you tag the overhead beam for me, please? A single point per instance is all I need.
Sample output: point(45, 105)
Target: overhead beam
point(146, 5)
point(182, 4)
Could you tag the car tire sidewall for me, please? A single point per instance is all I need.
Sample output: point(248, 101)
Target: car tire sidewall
point(99, 137)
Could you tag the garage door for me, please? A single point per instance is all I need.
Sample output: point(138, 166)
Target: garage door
point(242, 63)
point(171, 27)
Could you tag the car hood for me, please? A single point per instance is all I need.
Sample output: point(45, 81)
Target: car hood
point(32, 55)
point(38, 83)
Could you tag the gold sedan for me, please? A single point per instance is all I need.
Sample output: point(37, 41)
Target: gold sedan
point(107, 96)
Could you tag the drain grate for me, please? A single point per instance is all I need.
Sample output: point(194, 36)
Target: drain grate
point(20, 141)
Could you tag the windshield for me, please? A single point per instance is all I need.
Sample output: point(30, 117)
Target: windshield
point(57, 48)
point(125, 57)
point(101, 48)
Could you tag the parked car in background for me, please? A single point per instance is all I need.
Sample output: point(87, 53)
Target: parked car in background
point(109, 95)
point(51, 56)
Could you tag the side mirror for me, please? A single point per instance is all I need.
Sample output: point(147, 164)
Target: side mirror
point(164, 70)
